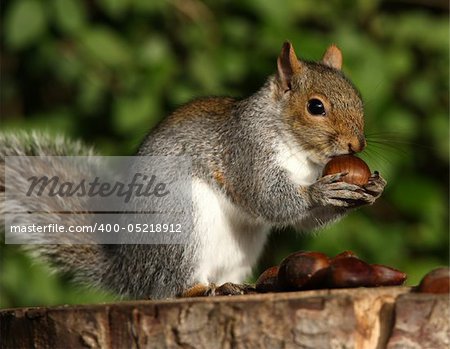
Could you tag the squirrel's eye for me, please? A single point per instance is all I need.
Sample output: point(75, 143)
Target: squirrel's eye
point(316, 107)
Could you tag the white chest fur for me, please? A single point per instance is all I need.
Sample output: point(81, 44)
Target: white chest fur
point(230, 241)
point(294, 160)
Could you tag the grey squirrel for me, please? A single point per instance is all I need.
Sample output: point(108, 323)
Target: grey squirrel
point(257, 165)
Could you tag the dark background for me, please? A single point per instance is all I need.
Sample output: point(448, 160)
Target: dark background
point(107, 71)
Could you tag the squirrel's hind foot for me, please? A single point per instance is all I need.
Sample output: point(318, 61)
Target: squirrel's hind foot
point(227, 289)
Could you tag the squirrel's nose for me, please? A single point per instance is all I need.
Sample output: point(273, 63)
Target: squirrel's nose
point(357, 144)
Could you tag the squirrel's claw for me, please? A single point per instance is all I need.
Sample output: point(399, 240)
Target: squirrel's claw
point(376, 185)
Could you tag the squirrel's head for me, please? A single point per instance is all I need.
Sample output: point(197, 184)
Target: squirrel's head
point(321, 106)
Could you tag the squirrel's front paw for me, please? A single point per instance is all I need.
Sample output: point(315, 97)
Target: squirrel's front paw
point(376, 185)
point(331, 191)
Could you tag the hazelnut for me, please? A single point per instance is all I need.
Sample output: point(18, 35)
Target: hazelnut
point(268, 280)
point(357, 170)
point(297, 269)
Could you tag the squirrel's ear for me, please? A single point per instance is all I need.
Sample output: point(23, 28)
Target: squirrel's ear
point(333, 57)
point(288, 65)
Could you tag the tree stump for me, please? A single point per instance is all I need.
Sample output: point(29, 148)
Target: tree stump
point(360, 318)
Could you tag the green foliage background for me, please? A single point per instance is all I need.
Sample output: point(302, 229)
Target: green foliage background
point(107, 71)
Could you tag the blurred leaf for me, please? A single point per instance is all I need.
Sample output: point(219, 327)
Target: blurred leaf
point(418, 196)
point(236, 29)
point(369, 68)
point(61, 121)
point(232, 66)
point(154, 50)
point(421, 92)
point(25, 23)
point(399, 61)
point(105, 46)
point(69, 67)
point(70, 15)
point(182, 94)
point(146, 6)
point(134, 113)
point(429, 235)
point(204, 71)
point(404, 123)
point(92, 90)
point(273, 13)
point(115, 8)
point(406, 30)
point(438, 128)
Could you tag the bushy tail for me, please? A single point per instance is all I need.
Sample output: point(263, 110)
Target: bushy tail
point(85, 262)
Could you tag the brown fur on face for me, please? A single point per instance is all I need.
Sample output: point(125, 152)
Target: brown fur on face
point(341, 129)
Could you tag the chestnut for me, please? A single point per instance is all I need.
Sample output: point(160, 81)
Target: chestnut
point(268, 280)
point(307, 270)
point(345, 254)
point(387, 276)
point(357, 170)
point(297, 269)
point(350, 272)
point(436, 281)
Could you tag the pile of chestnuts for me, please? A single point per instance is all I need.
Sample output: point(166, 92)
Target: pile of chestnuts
point(306, 270)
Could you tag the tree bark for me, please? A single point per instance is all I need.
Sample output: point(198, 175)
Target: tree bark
point(363, 318)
